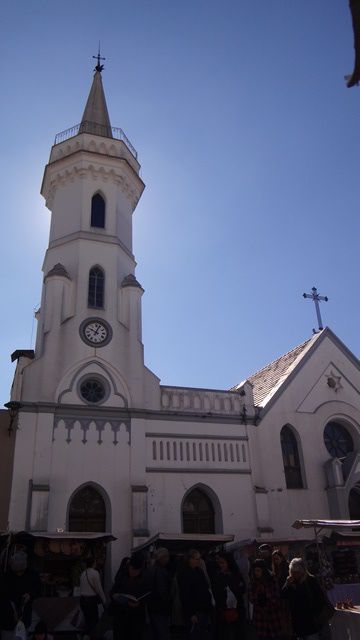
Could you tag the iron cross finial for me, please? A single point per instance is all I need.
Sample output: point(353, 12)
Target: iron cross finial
point(316, 299)
point(99, 67)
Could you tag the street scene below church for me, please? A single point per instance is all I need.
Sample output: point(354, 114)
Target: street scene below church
point(246, 591)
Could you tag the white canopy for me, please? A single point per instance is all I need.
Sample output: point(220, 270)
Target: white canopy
point(185, 540)
point(326, 524)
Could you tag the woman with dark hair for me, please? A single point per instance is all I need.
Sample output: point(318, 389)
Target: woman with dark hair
point(280, 568)
point(91, 595)
point(195, 597)
point(228, 589)
point(265, 598)
point(19, 587)
point(159, 604)
point(128, 595)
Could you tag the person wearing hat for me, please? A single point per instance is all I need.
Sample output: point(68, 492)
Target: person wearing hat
point(128, 595)
point(265, 598)
point(159, 603)
point(18, 588)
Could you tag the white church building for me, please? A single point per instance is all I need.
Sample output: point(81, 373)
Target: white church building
point(101, 445)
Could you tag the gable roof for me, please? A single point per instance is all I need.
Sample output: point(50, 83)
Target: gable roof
point(273, 374)
point(269, 381)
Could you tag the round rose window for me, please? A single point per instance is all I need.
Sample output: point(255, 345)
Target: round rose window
point(92, 390)
point(338, 440)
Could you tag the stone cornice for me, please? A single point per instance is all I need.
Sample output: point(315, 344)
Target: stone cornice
point(134, 413)
point(94, 237)
point(87, 163)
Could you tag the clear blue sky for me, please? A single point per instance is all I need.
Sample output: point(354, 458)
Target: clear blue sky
point(249, 146)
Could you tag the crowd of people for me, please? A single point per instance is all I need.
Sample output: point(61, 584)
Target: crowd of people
point(212, 599)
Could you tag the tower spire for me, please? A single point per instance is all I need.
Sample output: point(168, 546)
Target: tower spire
point(99, 67)
point(95, 118)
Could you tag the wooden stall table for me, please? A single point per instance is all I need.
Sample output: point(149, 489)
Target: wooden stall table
point(345, 625)
point(57, 613)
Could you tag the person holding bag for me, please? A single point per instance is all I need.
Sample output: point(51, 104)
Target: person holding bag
point(18, 588)
point(228, 588)
point(91, 595)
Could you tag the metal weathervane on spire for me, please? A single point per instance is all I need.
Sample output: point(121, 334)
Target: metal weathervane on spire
point(99, 67)
point(316, 298)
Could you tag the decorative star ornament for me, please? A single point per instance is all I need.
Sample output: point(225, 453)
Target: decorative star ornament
point(333, 381)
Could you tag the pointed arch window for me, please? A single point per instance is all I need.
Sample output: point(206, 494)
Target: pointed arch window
point(87, 511)
point(96, 288)
point(98, 211)
point(291, 459)
point(198, 513)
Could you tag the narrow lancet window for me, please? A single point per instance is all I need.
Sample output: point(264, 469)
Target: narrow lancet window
point(98, 211)
point(291, 459)
point(96, 288)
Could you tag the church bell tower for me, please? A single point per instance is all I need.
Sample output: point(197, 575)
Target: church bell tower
point(83, 391)
point(91, 301)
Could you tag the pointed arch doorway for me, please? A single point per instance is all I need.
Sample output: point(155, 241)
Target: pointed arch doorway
point(87, 510)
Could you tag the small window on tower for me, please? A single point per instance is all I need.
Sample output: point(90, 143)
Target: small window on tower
point(98, 211)
point(96, 288)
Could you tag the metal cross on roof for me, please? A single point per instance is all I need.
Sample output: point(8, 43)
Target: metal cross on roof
point(316, 299)
point(99, 67)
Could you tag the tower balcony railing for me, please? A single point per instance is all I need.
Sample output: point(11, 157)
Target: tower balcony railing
point(96, 130)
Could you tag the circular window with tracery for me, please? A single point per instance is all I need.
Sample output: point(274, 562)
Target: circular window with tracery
point(338, 440)
point(93, 390)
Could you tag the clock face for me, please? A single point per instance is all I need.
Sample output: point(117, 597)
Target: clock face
point(95, 332)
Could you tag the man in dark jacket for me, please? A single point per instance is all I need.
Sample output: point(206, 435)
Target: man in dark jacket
point(128, 596)
point(159, 603)
point(309, 606)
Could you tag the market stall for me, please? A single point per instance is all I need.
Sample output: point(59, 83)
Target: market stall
point(179, 543)
point(345, 625)
point(343, 550)
point(59, 558)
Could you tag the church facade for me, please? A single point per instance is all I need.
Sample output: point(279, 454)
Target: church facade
point(101, 445)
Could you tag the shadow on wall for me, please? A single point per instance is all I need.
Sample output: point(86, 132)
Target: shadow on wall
point(7, 446)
